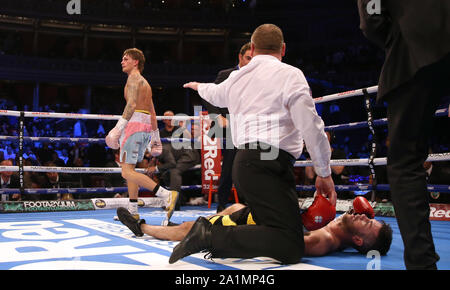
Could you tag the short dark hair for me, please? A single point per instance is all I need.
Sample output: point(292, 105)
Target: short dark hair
point(381, 244)
point(244, 48)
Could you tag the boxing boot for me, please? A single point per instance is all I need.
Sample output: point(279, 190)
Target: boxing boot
point(197, 240)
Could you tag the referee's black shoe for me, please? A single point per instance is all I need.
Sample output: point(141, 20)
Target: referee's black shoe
point(132, 223)
point(197, 240)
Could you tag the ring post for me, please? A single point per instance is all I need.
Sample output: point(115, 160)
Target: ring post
point(21, 129)
point(373, 150)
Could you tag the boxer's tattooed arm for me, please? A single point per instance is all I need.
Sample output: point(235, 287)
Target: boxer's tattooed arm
point(131, 95)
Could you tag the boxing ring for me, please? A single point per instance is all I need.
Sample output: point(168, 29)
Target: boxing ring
point(81, 234)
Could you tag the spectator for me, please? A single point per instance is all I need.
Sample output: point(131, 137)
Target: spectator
point(173, 163)
point(30, 181)
point(55, 180)
point(9, 180)
point(80, 180)
point(194, 177)
point(9, 153)
point(28, 154)
point(100, 130)
point(79, 129)
point(77, 151)
point(56, 160)
point(115, 180)
point(172, 131)
point(160, 166)
point(45, 153)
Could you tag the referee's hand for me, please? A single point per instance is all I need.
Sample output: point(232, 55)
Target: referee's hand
point(325, 186)
point(191, 85)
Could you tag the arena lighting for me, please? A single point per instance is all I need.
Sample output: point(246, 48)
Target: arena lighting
point(158, 30)
point(15, 19)
point(211, 31)
point(62, 24)
point(110, 28)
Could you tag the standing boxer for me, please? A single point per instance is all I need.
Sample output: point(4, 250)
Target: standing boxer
point(136, 130)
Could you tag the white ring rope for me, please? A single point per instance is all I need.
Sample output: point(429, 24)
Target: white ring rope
point(334, 162)
point(347, 94)
point(86, 116)
point(82, 140)
point(365, 161)
point(323, 99)
point(327, 98)
point(88, 170)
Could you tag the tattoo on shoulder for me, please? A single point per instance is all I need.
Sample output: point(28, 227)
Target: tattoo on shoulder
point(132, 90)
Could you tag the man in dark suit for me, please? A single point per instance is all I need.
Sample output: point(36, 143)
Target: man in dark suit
point(172, 164)
point(112, 180)
point(229, 151)
point(415, 35)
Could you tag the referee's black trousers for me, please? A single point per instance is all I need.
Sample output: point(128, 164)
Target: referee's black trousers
point(410, 114)
point(268, 186)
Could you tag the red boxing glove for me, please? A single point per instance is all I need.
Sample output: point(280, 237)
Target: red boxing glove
point(319, 214)
point(362, 206)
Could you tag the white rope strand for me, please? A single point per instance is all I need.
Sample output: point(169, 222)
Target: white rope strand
point(347, 94)
point(377, 161)
point(86, 116)
point(334, 162)
point(88, 170)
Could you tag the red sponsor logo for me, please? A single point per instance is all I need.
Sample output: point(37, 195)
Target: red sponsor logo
point(211, 157)
point(439, 212)
point(346, 93)
point(40, 113)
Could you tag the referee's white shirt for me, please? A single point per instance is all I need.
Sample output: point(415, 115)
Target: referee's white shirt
point(270, 101)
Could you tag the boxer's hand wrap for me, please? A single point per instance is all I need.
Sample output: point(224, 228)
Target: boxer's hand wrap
point(155, 145)
point(319, 214)
point(362, 206)
point(112, 140)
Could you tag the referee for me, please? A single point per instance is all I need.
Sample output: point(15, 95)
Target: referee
point(272, 111)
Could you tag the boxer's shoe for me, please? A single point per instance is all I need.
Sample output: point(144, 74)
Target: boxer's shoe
point(170, 206)
point(197, 240)
point(130, 221)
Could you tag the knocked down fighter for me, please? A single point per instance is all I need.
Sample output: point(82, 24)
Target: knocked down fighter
point(323, 234)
